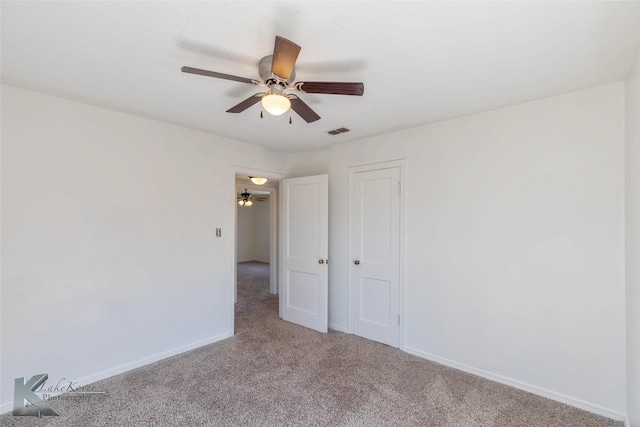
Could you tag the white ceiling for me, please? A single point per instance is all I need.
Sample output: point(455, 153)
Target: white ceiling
point(420, 61)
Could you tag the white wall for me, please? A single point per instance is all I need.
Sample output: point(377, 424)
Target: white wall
point(514, 242)
point(632, 168)
point(109, 253)
point(253, 232)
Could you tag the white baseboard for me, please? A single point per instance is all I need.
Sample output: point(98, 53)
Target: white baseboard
point(335, 327)
point(578, 403)
point(8, 406)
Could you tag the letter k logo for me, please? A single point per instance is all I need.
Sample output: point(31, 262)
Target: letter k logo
point(25, 391)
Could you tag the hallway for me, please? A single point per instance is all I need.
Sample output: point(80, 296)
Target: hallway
point(255, 303)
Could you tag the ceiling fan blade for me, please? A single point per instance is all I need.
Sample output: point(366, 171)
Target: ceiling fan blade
point(239, 108)
point(303, 110)
point(215, 74)
point(285, 53)
point(333, 88)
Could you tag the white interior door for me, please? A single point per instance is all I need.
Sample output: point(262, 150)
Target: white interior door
point(304, 246)
point(375, 246)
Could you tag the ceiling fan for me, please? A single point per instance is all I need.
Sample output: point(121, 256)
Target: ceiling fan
point(246, 199)
point(277, 74)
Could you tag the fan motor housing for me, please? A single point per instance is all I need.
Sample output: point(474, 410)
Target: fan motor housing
point(264, 70)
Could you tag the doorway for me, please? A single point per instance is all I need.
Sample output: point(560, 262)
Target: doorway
point(252, 226)
point(269, 208)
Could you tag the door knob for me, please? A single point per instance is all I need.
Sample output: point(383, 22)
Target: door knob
point(320, 261)
point(356, 262)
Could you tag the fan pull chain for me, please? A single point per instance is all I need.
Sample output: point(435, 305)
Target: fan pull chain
point(289, 119)
point(261, 116)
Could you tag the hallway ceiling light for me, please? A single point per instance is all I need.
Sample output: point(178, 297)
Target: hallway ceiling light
point(258, 181)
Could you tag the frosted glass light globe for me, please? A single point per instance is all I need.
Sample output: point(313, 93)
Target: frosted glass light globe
point(276, 104)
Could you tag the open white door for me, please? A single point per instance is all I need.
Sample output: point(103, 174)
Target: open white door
point(304, 210)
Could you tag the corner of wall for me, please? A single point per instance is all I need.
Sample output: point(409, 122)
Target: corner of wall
point(632, 241)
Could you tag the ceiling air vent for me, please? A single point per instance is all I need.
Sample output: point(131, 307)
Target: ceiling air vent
point(338, 131)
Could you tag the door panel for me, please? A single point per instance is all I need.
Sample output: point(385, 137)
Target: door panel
point(375, 244)
point(304, 292)
point(375, 296)
point(375, 220)
point(304, 220)
point(304, 237)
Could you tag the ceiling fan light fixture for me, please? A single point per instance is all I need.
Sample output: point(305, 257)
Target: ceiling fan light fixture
point(258, 181)
point(245, 199)
point(276, 105)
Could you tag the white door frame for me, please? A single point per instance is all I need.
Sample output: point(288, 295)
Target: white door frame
point(400, 163)
point(273, 227)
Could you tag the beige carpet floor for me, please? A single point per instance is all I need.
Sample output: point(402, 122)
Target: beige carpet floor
point(273, 373)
